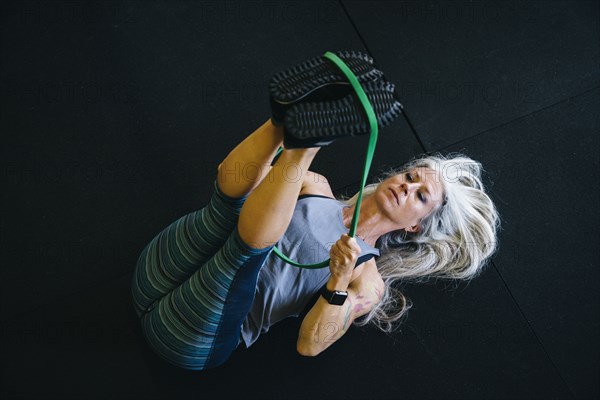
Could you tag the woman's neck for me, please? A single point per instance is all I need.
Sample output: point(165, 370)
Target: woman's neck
point(368, 222)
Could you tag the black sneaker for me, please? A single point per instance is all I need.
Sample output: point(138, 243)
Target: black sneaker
point(320, 123)
point(317, 80)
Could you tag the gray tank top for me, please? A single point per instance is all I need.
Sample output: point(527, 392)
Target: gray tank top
point(283, 290)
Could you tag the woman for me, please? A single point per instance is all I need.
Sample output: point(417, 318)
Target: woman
point(209, 281)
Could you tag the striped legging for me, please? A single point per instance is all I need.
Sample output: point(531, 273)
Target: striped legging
point(194, 283)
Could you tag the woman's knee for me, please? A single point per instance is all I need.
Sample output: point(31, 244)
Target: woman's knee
point(230, 181)
point(253, 240)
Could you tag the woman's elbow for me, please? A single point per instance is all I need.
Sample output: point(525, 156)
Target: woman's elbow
point(306, 350)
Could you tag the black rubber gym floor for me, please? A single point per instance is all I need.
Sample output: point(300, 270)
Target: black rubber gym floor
point(114, 117)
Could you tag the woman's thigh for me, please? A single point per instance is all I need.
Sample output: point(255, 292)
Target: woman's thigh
point(197, 325)
point(182, 248)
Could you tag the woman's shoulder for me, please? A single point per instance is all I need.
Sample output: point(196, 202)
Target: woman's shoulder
point(314, 183)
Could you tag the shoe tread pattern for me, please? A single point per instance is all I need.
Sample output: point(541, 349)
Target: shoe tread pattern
point(343, 117)
point(296, 82)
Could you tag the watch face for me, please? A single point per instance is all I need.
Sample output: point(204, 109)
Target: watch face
point(338, 298)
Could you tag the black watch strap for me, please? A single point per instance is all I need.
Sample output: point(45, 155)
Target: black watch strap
point(336, 297)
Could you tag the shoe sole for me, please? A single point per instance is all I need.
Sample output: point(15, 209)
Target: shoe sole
point(302, 80)
point(318, 124)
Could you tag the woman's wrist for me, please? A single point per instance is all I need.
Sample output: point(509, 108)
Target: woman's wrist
point(338, 283)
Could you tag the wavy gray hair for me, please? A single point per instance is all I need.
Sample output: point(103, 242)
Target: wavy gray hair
point(454, 241)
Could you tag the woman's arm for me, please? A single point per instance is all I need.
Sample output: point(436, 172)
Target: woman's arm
point(325, 323)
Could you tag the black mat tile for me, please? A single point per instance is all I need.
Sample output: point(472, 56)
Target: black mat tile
point(84, 346)
point(463, 67)
point(116, 116)
point(544, 171)
point(90, 346)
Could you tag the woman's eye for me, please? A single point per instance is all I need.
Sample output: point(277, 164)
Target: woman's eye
point(421, 197)
point(409, 176)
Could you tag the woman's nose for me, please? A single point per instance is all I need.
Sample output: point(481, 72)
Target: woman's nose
point(408, 187)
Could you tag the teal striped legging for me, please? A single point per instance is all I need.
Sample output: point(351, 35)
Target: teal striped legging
point(194, 284)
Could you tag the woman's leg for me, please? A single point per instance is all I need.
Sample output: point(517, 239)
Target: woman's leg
point(197, 325)
point(181, 248)
point(250, 161)
point(188, 243)
point(268, 210)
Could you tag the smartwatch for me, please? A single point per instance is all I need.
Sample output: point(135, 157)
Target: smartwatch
point(336, 298)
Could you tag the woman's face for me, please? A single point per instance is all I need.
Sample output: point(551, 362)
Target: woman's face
point(405, 199)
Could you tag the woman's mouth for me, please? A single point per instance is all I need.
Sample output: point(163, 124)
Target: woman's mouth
point(395, 196)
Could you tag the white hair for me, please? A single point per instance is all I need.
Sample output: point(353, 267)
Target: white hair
point(454, 241)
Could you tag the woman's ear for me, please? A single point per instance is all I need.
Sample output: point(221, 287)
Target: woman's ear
point(414, 228)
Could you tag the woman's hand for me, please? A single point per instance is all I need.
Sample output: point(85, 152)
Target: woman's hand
point(343, 255)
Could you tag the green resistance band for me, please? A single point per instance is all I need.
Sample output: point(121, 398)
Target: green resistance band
point(369, 158)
